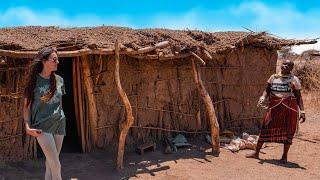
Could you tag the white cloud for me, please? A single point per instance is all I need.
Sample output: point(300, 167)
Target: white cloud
point(301, 48)
point(283, 20)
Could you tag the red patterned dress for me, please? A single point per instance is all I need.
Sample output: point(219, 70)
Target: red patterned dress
point(280, 121)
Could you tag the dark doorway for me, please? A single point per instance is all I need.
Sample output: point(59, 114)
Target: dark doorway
point(71, 143)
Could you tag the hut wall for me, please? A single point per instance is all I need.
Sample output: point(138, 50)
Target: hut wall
point(164, 95)
point(14, 145)
point(244, 78)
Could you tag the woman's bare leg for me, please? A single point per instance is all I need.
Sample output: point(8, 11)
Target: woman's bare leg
point(48, 146)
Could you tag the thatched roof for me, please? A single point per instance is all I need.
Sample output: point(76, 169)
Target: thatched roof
point(33, 38)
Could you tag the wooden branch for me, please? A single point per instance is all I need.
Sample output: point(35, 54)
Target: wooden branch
point(146, 49)
point(103, 51)
point(125, 126)
point(100, 61)
point(198, 58)
point(162, 44)
point(152, 48)
point(210, 109)
point(207, 54)
point(18, 54)
point(91, 104)
point(81, 52)
point(163, 58)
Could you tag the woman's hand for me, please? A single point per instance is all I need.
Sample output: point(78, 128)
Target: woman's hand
point(261, 100)
point(302, 117)
point(26, 119)
point(33, 132)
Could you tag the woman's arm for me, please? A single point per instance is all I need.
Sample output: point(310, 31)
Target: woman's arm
point(265, 94)
point(26, 118)
point(26, 112)
point(297, 94)
point(267, 91)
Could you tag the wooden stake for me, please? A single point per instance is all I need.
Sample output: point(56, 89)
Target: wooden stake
point(78, 94)
point(91, 104)
point(124, 126)
point(210, 109)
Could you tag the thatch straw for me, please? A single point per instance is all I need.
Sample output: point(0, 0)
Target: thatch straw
point(309, 75)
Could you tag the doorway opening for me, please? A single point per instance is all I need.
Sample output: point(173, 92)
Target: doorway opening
point(72, 140)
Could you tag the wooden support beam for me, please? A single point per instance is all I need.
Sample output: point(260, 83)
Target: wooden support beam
point(210, 109)
point(81, 52)
point(91, 104)
point(79, 103)
point(85, 51)
point(18, 54)
point(124, 126)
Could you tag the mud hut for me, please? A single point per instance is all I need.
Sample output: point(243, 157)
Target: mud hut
point(127, 86)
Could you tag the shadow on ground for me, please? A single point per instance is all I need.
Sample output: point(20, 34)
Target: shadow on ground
point(279, 163)
point(101, 164)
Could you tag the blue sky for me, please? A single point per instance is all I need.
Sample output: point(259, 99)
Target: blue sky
point(287, 19)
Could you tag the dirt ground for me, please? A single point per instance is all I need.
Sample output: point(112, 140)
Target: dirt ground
point(193, 163)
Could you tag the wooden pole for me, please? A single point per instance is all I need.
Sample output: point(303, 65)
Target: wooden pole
point(124, 126)
point(78, 94)
point(91, 104)
point(210, 109)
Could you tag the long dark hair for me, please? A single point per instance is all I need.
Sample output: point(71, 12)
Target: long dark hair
point(35, 68)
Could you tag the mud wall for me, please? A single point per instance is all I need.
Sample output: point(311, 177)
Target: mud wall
point(164, 95)
point(14, 145)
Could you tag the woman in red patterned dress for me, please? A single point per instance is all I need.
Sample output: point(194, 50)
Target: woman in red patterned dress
point(284, 109)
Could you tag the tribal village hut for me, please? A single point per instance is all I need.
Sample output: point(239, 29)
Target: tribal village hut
point(125, 86)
